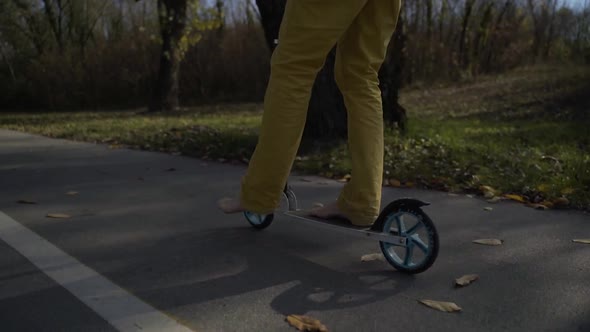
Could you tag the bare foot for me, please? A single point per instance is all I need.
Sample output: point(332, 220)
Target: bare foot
point(230, 205)
point(329, 211)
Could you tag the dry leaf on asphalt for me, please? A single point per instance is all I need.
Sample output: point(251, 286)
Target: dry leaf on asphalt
point(395, 183)
point(489, 242)
point(487, 208)
point(495, 199)
point(372, 257)
point(58, 215)
point(583, 241)
point(345, 178)
point(488, 192)
point(26, 201)
point(72, 193)
point(441, 306)
point(537, 206)
point(317, 205)
point(466, 280)
point(548, 204)
point(306, 323)
point(517, 198)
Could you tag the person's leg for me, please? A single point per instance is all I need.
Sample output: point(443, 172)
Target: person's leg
point(360, 54)
point(309, 30)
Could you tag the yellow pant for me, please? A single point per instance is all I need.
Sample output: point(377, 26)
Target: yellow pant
point(362, 30)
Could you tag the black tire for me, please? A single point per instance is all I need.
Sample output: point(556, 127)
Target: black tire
point(254, 220)
point(432, 234)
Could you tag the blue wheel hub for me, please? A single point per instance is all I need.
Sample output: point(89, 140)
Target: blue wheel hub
point(396, 224)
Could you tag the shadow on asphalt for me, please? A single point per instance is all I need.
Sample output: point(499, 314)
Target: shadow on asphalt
point(317, 288)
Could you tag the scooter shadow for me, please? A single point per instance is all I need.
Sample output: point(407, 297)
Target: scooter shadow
point(249, 261)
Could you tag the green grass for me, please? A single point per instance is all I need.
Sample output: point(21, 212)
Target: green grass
point(524, 133)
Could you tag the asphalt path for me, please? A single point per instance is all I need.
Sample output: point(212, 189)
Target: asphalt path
point(147, 223)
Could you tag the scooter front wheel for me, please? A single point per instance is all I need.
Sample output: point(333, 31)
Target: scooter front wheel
point(259, 221)
point(421, 239)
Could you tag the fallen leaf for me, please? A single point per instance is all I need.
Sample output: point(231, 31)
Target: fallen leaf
point(548, 204)
point(372, 257)
point(395, 183)
point(494, 199)
point(583, 241)
point(517, 198)
point(567, 191)
point(489, 242)
point(466, 280)
point(441, 306)
point(347, 177)
point(487, 208)
point(306, 323)
point(543, 188)
point(72, 193)
point(58, 215)
point(537, 206)
point(488, 192)
point(561, 202)
point(26, 201)
point(317, 205)
point(470, 196)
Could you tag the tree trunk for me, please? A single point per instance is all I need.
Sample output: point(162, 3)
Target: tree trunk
point(55, 22)
point(173, 16)
point(327, 113)
point(391, 79)
point(463, 49)
point(7, 61)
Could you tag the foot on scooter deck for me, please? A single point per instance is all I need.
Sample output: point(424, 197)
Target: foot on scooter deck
point(336, 222)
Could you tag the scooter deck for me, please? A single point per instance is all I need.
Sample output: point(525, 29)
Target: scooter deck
point(336, 222)
point(346, 226)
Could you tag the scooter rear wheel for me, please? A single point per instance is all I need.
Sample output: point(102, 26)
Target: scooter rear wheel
point(259, 221)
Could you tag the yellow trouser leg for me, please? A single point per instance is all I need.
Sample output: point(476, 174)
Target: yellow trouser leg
point(360, 54)
point(310, 29)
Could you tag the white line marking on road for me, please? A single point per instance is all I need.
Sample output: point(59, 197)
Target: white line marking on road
point(121, 309)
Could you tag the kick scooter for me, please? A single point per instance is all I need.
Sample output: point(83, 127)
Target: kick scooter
point(407, 236)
